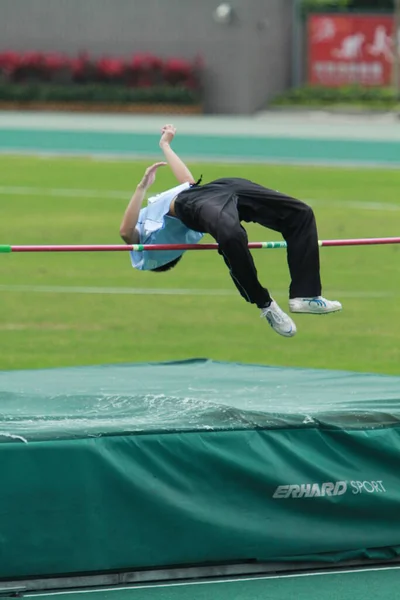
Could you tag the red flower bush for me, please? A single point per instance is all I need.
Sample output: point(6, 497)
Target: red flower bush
point(177, 71)
point(83, 68)
point(56, 62)
point(9, 63)
point(111, 70)
point(145, 70)
point(31, 67)
point(180, 72)
point(140, 71)
point(57, 68)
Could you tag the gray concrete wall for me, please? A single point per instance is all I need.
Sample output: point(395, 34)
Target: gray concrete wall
point(247, 62)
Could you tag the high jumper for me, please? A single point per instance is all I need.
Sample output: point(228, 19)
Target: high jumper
point(183, 214)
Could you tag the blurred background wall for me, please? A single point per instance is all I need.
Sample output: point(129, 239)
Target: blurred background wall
point(247, 61)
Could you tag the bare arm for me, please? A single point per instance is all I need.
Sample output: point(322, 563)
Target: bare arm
point(178, 167)
point(127, 229)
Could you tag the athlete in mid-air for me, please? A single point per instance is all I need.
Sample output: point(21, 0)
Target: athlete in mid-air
point(182, 215)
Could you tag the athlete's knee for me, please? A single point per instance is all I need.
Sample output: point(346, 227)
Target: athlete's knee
point(300, 219)
point(232, 237)
point(302, 215)
point(307, 212)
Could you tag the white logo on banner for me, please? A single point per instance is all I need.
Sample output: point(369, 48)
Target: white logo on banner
point(351, 47)
point(329, 488)
point(326, 30)
point(383, 44)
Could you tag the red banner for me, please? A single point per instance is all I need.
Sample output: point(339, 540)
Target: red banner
point(348, 49)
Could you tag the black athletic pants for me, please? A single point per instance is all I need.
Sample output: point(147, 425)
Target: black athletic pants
point(219, 207)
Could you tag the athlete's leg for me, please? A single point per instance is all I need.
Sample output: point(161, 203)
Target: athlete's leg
point(213, 209)
point(296, 222)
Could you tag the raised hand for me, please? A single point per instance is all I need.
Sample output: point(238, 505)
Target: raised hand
point(168, 133)
point(149, 176)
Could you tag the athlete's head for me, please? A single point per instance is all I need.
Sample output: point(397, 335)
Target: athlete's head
point(168, 266)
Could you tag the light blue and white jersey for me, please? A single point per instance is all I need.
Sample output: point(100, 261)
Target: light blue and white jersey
point(155, 226)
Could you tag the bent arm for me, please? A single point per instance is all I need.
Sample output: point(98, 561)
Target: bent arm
point(127, 229)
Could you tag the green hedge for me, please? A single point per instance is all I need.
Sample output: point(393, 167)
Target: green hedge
point(95, 93)
point(347, 6)
point(324, 5)
point(371, 97)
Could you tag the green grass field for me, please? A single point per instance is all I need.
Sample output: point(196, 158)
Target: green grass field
point(45, 322)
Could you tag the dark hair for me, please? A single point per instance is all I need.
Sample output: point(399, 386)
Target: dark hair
point(167, 266)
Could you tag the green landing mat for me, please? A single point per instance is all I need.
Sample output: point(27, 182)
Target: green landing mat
point(147, 466)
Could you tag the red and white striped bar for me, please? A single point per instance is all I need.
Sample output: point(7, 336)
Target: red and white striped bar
point(151, 247)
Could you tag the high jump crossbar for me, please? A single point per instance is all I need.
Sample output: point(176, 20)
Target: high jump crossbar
point(4, 248)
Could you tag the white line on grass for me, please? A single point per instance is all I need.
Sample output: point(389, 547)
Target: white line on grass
point(125, 195)
point(356, 204)
point(114, 291)
point(122, 291)
point(219, 581)
point(64, 192)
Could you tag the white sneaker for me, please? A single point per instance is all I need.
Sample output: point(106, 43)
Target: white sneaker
point(314, 306)
point(279, 321)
